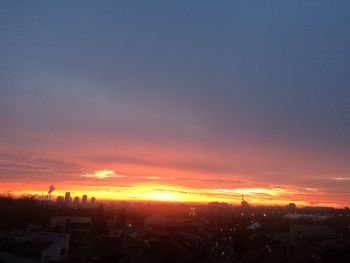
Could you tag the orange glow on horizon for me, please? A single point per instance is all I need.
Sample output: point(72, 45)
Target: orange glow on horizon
point(166, 193)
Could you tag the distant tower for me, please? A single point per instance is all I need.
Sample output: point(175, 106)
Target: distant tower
point(76, 201)
point(84, 200)
point(244, 203)
point(67, 199)
point(93, 201)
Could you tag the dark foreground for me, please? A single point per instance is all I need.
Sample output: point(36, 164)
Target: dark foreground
point(37, 231)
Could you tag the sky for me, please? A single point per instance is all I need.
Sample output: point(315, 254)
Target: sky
point(187, 101)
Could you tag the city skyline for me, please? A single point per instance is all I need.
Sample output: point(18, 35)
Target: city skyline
point(179, 101)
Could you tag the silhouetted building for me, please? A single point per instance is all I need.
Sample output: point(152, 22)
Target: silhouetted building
point(84, 200)
point(71, 223)
point(93, 201)
point(291, 206)
point(67, 198)
point(76, 201)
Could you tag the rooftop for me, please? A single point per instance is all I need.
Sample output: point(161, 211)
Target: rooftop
point(29, 243)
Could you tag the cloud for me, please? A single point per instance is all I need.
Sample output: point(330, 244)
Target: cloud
point(102, 174)
point(341, 178)
point(175, 164)
point(35, 171)
point(266, 191)
point(34, 167)
point(152, 177)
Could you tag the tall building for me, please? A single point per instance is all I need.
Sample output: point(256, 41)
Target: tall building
point(84, 200)
point(76, 201)
point(93, 201)
point(67, 199)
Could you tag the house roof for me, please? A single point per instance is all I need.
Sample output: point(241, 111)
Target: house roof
point(29, 243)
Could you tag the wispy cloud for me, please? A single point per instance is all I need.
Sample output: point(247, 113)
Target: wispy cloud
point(341, 178)
point(267, 191)
point(103, 174)
point(34, 167)
point(152, 177)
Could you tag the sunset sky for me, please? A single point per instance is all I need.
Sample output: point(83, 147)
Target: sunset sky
point(186, 101)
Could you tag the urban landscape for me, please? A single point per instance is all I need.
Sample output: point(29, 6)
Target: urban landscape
point(34, 230)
